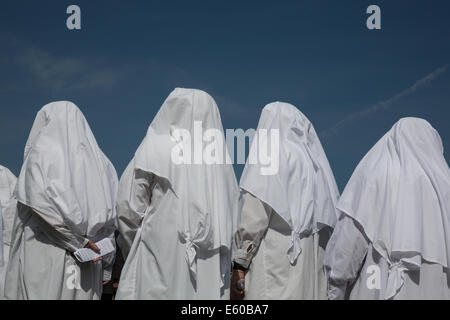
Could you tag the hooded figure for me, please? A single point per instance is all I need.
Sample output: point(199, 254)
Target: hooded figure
point(286, 214)
point(8, 211)
point(66, 194)
point(392, 240)
point(178, 205)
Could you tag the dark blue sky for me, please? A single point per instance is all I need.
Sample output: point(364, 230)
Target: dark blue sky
point(352, 83)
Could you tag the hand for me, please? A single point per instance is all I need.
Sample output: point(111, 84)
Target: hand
point(235, 292)
point(91, 245)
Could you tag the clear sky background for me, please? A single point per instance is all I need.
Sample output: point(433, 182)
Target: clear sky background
point(352, 83)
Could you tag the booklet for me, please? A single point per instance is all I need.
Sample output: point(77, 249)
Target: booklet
point(106, 246)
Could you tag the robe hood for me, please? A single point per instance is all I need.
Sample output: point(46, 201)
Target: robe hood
point(66, 174)
point(303, 191)
point(400, 195)
point(207, 193)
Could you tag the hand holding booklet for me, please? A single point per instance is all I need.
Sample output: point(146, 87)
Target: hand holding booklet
point(106, 246)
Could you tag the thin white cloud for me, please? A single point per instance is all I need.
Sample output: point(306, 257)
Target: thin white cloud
point(385, 104)
point(57, 73)
point(47, 70)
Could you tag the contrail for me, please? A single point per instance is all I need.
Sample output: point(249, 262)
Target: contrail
point(385, 104)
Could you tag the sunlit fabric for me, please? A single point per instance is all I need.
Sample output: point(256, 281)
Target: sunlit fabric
point(286, 216)
point(396, 211)
point(66, 193)
point(176, 220)
point(8, 211)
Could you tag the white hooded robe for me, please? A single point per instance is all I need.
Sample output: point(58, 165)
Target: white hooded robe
point(286, 217)
point(392, 240)
point(176, 219)
point(66, 193)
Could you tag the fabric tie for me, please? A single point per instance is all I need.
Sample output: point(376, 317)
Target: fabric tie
point(396, 279)
point(295, 249)
point(191, 254)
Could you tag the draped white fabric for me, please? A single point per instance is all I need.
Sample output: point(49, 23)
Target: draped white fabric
point(207, 192)
point(65, 173)
point(400, 194)
point(8, 211)
point(2, 261)
point(8, 203)
point(303, 191)
point(66, 192)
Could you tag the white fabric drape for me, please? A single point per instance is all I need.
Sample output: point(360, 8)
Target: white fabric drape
point(66, 174)
point(208, 192)
point(66, 196)
point(2, 260)
point(400, 194)
point(303, 191)
point(176, 216)
point(8, 211)
point(8, 203)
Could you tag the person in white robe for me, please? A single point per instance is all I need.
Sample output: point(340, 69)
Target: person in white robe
point(178, 205)
point(286, 216)
point(8, 208)
point(392, 240)
point(66, 201)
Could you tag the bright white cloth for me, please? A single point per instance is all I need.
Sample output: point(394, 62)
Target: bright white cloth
point(8, 211)
point(66, 193)
point(9, 204)
point(260, 242)
point(2, 263)
point(66, 174)
point(400, 195)
point(187, 211)
point(356, 271)
point(303, 191)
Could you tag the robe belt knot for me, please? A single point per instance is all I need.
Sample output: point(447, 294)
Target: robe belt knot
point(396, 279)
point(296, 248)
point(191, 253)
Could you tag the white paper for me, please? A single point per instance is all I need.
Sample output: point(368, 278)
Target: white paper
point(106, 246)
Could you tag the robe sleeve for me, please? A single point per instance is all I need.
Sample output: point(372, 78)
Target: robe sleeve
point(255, 219)
point(55, 229)
point(133, 200)
point(50, 208)
point(344, 256)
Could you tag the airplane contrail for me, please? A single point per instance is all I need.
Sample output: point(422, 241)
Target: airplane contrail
point(385, 104)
